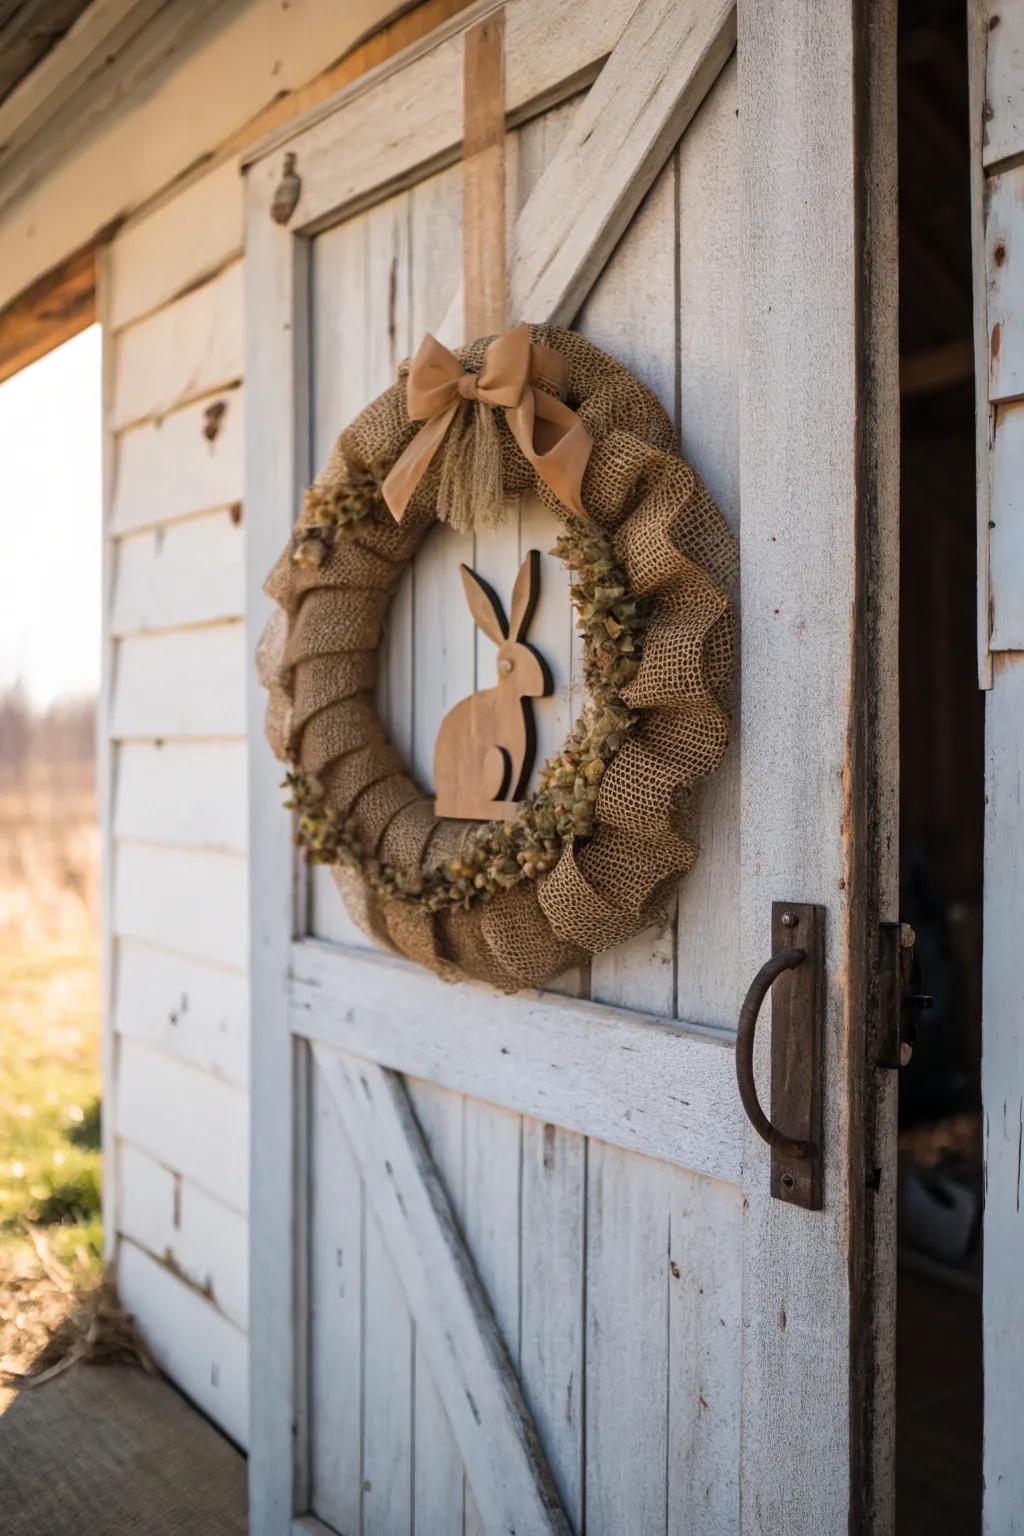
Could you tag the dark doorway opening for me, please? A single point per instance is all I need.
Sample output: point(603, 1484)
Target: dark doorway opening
point(939, 1402)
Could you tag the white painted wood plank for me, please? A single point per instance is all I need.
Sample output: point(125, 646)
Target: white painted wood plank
point(186, 239)
point(705, 1250)
point(468, 1359)
point(187, 1120)
point(189, 793)
point(709, 985)
point(1002, 1091)
point(1006, 515)
point(643, 1083)
point(1004, 263)
point(654, 80)
point(185, 1008)
point(181, 683)
point(808, 818)
point(439, 1476)
point(184, 900)
point(627, 1288)
point(196, 1237)
point(203, 1354)
point(277, 466)
point(191, 573)
point(189, 349)
point(387, 1430)
point(336, 1306)
point(552, 1264)
point(489, 1218)
point(170, 468)
point(388, 1354)
point(1004, 83)
point(631, 312)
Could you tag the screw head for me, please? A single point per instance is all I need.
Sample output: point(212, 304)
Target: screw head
point(505, 664)
point(788, 1181)
point(789, 919)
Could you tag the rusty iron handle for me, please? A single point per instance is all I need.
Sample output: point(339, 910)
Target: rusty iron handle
point(784, 960)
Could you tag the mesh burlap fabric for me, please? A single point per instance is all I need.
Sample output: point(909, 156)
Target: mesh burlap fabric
point(318, 663)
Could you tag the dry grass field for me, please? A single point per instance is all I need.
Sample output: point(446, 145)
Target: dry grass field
point(50, 1231)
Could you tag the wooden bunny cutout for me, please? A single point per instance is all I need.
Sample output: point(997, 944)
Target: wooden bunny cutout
point(485, 745)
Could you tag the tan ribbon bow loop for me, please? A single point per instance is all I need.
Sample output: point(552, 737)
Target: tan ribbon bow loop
point(550, 435)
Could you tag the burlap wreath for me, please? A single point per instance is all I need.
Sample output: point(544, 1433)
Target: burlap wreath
point(611, 825)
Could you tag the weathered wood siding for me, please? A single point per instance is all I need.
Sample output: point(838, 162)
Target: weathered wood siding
point(997, 121)
point(177, 787)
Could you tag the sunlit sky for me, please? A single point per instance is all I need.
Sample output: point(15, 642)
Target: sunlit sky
point(50, 520)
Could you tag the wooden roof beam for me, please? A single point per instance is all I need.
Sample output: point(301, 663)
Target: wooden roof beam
point(54, 309)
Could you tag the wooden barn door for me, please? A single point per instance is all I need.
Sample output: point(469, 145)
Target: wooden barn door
point(516, 1265)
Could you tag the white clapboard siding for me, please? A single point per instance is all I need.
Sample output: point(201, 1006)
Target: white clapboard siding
point(170, 467)
point(185, 1119)
point(173, 248)
point(185, 1008)
point(1004, 228)
point(205, 1355)
point(1004, 85)
point(1003, 1097)
point(203, 1241)
point(191, 794)
point(189, 574)
point(1007, 530)
point(185, 683)
point(184, 900)
point(190, 348)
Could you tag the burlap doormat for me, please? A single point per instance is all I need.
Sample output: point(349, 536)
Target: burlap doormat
point(106, 1449)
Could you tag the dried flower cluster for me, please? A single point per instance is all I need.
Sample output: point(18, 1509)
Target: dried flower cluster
point(333, 513)
point(501, 853)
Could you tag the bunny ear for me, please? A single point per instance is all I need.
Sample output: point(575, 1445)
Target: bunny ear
point(524, 595)
point(484, 605)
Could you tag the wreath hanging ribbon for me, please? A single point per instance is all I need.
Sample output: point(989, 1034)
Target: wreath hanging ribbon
point(550, 435)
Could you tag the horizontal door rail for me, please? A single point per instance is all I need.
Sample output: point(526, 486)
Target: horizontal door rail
point(653, 1087)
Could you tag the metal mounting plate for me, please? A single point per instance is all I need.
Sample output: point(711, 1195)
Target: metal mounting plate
point(797, 1003)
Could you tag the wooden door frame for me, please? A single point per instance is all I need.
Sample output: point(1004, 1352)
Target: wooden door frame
point(819, 246)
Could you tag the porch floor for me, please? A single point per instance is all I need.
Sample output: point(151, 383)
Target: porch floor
point(106, 1449)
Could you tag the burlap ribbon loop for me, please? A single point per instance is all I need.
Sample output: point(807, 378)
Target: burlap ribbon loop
point(550, 435)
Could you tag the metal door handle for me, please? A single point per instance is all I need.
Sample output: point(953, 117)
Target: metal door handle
point(785, 960)
point(792, 1128)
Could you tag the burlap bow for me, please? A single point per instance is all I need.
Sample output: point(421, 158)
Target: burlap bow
point(550, 435)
